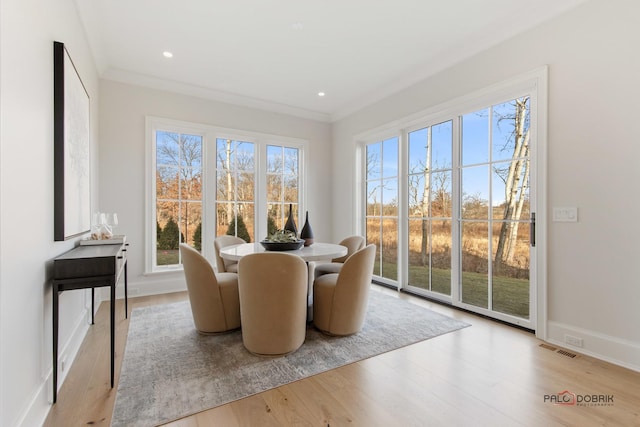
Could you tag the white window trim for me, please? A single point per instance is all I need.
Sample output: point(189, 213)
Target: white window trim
point(361, 189)
point(534, 82)
point(210, 133)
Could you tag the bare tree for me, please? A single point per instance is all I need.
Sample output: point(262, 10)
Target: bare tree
point(282, 182)
point(516, 179)
point(225, 156)
point(179, 178)
point(441, 194)
point(373, 162)
point(426, 197)
point(236, 179)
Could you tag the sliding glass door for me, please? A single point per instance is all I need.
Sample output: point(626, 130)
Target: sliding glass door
point(430, 207)
point(382, 205)
point(495, 214)
point(449, 205)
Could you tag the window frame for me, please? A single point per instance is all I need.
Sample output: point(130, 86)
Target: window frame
point(433, 122)
point(213, 162)
point(534, 83)
point(380, 139)
point(210, 134)
point(283, 175)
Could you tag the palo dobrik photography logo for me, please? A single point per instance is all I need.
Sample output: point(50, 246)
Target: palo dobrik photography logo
point(563, 398)
point(567, 398)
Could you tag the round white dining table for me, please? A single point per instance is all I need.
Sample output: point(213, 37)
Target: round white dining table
point(314, 252)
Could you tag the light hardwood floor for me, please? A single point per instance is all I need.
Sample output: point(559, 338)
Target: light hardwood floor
point(488, 374)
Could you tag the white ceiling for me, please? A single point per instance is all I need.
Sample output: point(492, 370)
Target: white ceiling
point(278, 54)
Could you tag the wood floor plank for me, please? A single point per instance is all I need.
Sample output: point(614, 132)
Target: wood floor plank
point(287, 407)
point(487, 374)
point(324, 406)
point(362, 408)
point(254, 411)
point(220, 416)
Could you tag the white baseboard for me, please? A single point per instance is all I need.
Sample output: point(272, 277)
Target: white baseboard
point(149, 285)
point(604, 347)
point(69, 350)
point(155, 286)
point(39, 406)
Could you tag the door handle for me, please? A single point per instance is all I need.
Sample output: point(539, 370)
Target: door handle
point(532, 229)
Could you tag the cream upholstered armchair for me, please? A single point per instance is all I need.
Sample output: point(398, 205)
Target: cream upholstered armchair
point(340, 299)
point(353, 244)
point(273, 302)
point(214, 299)
point(225, 265)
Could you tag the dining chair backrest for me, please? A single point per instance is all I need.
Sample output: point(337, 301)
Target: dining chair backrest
point(273, 302)
point(222, 242)
point(340, 300)
point(214, 299)
point(353, 244)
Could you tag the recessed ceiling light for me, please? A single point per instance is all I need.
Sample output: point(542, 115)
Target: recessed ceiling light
point(167, 54)
point(320, 93)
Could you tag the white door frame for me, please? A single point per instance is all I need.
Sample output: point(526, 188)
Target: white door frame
point(535, 85)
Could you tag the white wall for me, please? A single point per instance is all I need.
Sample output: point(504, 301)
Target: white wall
point(593, 151)
point(123, 108)
point(592, 265)
point(27, 31)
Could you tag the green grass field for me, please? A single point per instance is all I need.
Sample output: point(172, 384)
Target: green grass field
point(167, 257)
point(510, 296)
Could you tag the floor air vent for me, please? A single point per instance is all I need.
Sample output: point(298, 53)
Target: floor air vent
point(566, 353)
point(559, 351)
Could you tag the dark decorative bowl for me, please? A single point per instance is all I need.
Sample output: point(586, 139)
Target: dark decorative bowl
point(282, 246)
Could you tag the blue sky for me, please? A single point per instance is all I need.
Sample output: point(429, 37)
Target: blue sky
point(484, 138)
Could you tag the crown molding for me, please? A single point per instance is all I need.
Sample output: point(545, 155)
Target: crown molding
point(137, 79)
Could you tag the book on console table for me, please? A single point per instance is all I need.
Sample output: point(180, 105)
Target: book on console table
point(115, 240)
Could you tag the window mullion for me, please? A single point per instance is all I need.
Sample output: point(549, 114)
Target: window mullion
point(260, 191)
point(403, 209)
point(490, 212)
point(456, 209)
point(209, 188)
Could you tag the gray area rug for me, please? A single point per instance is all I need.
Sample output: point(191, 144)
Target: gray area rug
point(170, 371)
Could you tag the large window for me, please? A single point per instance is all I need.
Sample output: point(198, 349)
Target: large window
point(430, 203)
point(235, 188)
point(206, 181)
point(283, 183)
point(450, 201)
point(382, 205)
point(178, 190)
point(495, 207)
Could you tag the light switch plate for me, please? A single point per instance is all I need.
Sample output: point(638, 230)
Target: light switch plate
point(569, 214)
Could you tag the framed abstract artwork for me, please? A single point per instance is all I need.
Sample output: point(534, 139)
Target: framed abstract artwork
point(72, 162)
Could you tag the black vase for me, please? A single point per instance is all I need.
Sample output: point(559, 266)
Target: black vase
point(307, 232)
point(291, 224)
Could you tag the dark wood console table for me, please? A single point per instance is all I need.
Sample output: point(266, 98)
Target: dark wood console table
point(85, 267)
